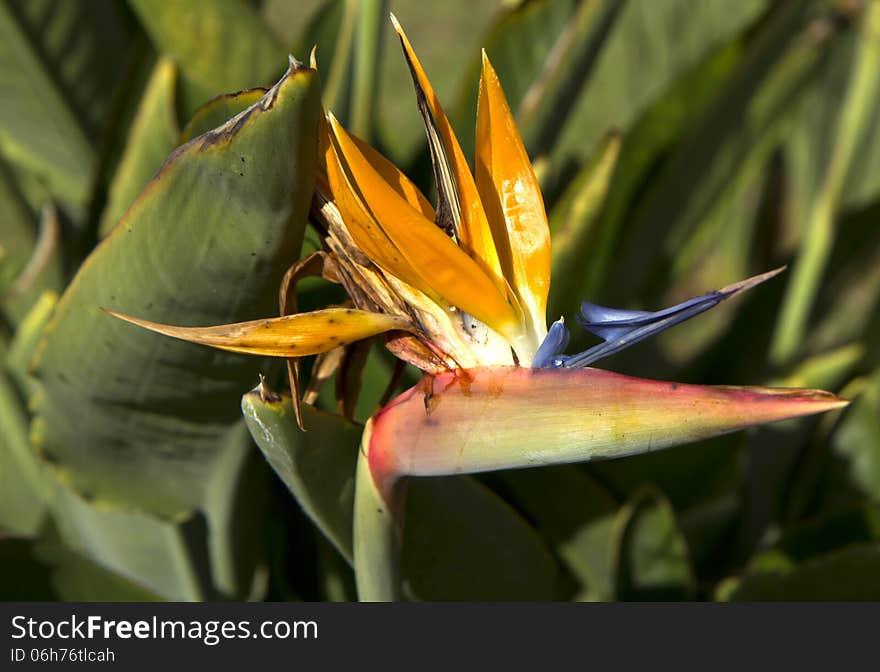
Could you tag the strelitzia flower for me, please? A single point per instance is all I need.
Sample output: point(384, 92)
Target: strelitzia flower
point(460, 290)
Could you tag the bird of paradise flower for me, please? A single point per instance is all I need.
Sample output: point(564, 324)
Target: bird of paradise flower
point(460, 291)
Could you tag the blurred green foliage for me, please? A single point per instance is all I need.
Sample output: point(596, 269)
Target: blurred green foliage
point(681, 146)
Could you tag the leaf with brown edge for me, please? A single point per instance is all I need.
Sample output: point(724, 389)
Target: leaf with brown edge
point(288, 336)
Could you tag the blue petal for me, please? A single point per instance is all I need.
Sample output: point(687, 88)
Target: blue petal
point(553, 345)
point(607, 323)
point(623, 328)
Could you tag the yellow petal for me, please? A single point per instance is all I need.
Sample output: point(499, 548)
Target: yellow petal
point(512, 199)
point(290, 336)
point(475, 234)
point(443, 268)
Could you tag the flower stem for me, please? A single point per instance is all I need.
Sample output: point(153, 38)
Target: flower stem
point(378, 508)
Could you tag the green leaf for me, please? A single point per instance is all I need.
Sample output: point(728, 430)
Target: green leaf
point(672, 37)
point(223, 45)
point(216, 552)
point(854, 117)
point(167, 557)
point(140, 424)
point(576, 515)
point(60, 62)
point(18, 233)
point(317, 465)
point(460, 540)
point(652, 555)
point(152, 135)
point(331, 30)
point(22, 491)
point(545, 26)
point(75, 578)
point(572, 223)
point(235, 205)
point(446, 38)
point(737, 132)
point(644, 145)
point(463, 542)
point(846, 574)
point(24, 343)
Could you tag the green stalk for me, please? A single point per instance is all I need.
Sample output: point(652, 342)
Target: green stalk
point(366, 66)
point(378, 506)
point(819, 235)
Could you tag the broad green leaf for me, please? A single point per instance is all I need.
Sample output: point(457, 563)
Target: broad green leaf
point(317, 465)
point(206, 243)
point(75, 578)
point(847, 574)
point(576, 515)
point(652, 556)
point(463, 542)
point(236, 508)
point(152, 135)
point(167, 557)
point(211, 553)
point(223, 45)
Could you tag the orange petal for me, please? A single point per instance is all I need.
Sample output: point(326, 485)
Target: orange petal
point(510, 417)
point(396, 179)
point(475, 235)
point(513, 201)
point(290, 336)
point(361, 224)
point(443, 268)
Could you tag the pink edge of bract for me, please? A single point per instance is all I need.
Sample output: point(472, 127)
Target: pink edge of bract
point(510, 417)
